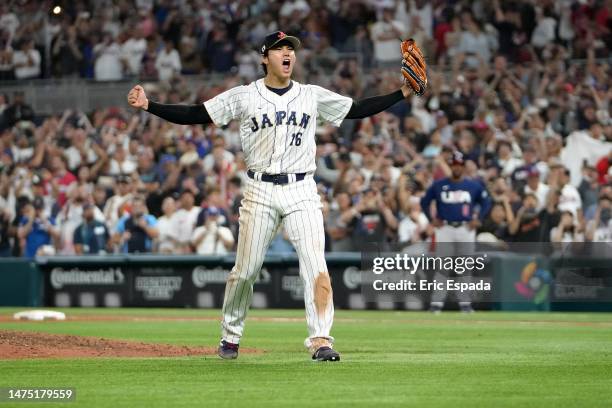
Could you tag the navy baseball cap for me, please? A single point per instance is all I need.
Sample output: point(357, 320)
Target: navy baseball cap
point(277, 37)
point(457, 158)
point(212, 211)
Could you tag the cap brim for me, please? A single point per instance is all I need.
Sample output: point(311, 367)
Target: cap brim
point(295, 42)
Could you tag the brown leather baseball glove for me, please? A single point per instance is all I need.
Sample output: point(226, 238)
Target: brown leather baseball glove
point(414, 67)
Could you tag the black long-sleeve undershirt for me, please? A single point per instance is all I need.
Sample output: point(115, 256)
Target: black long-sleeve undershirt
point(180, 114)
point(197, 114)
point(373, 105)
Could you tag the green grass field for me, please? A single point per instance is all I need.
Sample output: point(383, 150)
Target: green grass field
point(389, 359)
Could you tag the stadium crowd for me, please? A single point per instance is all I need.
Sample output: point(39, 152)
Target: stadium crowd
point(521, 88)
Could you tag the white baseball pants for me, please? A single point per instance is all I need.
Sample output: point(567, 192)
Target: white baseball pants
point(266, 207)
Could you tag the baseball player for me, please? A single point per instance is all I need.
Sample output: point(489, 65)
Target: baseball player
point(456, 220)
point(277, 119)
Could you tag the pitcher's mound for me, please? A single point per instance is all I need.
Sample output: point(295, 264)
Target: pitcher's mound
point(20, 345)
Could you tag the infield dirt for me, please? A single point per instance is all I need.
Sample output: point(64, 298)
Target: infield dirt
point(25, 345)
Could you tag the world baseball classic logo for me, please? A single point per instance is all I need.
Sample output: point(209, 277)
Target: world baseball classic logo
point(534, 284)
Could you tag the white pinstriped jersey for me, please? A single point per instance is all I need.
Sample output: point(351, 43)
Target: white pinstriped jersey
point(277, 132)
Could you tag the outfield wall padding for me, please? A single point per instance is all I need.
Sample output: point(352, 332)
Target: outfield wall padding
point(20, 283)
point(199, 282)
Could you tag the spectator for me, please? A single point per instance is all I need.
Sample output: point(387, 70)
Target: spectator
point(369, 220)
point(133, 50)
point(338, 230)
point(570, 198)
point(385, 35)
point(599, 229)
point(4, 104)
point(37, 230)
point(434, 148)
point(589, 187)
point(248, 63)
point(603, 165)
point(220, 50)
point(544, 32)
point(68, 219)
point(189, 49)
point(67, 55)
point(531, 165)
point(423, 10)
point(506, 159)
point(7, 67)
point(6, 249)
point(108, 65)
point(537, 188)
point(167, 242)
point(18, 110)
point(498, 221)
point(212, 238)
point(136, 231)
point(117, 206)
point(148, 68)
point(99, 197)
point(168, 62)
point(414, 227)
point(121, 162)
point(472, 41)
point(8, 20)
point(446, 134)
point(507, 21)
point(527, 224)
point(220, 161)
point(567, 230)
point(361, 44)
point(91, 237)
point(63, 180)
point(27, 61)
point(298, 9)
point(185, 220)
point(81, 150)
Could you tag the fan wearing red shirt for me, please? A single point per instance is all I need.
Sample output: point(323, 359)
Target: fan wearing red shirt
point(602, 168)
point(63, 180)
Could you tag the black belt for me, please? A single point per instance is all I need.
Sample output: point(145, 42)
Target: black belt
point(277, 178)
point(456, 224)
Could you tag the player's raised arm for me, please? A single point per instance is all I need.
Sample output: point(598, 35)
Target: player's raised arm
point(415, 82)
point(180, 114)
point(376, 104)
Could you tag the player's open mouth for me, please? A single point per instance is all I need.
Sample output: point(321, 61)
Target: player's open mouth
point(286, 64)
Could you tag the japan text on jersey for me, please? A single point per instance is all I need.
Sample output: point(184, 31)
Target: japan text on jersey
point(280, 118)
point(277, 132)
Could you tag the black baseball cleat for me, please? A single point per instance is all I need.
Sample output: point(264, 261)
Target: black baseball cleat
point(326, 354)
point(227, 350)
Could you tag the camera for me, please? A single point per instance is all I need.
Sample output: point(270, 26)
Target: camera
point(605, 216)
